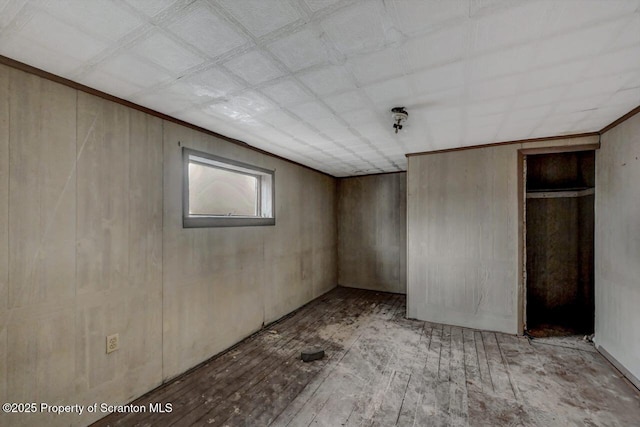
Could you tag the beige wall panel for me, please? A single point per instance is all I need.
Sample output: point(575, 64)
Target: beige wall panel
point(372, 232)
point(102, 254)
point(4, 225)
point(4, 193)
point(41, 358)
point(103, 194)
point(119, 250)
point(617, 245)
point(462, 232)
point(463, 266)
point(4, 343)
point(145, 202)
point(222, 284)
point(212, 276)
point(42, 190)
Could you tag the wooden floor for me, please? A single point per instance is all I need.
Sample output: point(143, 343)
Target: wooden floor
point(384, 370)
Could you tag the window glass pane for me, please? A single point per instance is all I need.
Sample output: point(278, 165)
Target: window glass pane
point(214, 191)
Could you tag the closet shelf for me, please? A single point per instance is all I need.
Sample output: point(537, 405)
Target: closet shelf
point(558, 193)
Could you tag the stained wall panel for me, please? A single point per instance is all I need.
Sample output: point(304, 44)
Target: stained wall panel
point(92, 244)
point(41, 190)
point(372, 232)
point(222, 284)
point(617, 245)
point(4, 225)
point(463, 265)
point(103, 188)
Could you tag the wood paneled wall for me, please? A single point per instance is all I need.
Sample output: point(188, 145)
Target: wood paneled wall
point(617, 246)
point(91, 244)
point(463, 232)
point(372, 232)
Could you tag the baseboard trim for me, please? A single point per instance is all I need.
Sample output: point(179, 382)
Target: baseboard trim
point(624, 371)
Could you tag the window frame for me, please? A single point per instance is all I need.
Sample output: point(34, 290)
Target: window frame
point(201, 221)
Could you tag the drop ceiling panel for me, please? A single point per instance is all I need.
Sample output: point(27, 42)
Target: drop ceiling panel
point(261, 17)
point(167, 53)
point(377, 66)
point(287, 92)
point(356, 29)
point(327, 81)
point(102, 19)
point(211, 83)
point(208, 32)
point(151, 7)
point(314, 80)
point(300, 49)
point(254, 67)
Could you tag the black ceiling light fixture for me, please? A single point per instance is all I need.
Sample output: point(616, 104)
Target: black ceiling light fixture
point(400, 116)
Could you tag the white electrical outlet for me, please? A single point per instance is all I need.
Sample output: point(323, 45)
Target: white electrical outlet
point(113, 343)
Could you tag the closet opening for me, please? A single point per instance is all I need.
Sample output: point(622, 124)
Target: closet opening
point(559, 244)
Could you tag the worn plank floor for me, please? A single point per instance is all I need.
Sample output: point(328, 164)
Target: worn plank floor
point(381, 369)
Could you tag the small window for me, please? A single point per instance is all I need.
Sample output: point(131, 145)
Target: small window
point(219, 192)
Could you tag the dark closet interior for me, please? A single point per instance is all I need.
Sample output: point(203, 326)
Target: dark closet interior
point(559, 243)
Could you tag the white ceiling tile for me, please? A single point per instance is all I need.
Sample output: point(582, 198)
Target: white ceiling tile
point(328, 80)
point(529, 114)
point(9, 9)
point(357, 28)
point(210, 83)
point(495, 88)
point(335, 131)
point(389, 93)
point(416, 17)
point(300, 50)
point(447, 45)
point(501, 63)
point(571, 14)
point(131, 69)
point(167, 100)
point(619, 61)
point(207, 31)
point(316, 5)
point(627, 98)
point(484, 7)
point(103, 19)
point(252, 103)
point(574, 45)
point(558, 75)
point(439, 78)
point(633, 82)
point(490, 107)
point(628, 35)
point(151, 7)
point(377, 66)
point(254, 66)
point(312, 112)
point(26, 50)
point(513, 131)
point(360, 119)
point(537, 98)
point(599, 85)
point(261, 17)
point(347, 101)
point(167, 53)
point(287, 92)
point(110, 84)
point(446, 134)
point(54, 35)
point(581, 104)
point(511, 26)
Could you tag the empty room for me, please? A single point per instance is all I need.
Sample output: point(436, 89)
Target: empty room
point(320, 213)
